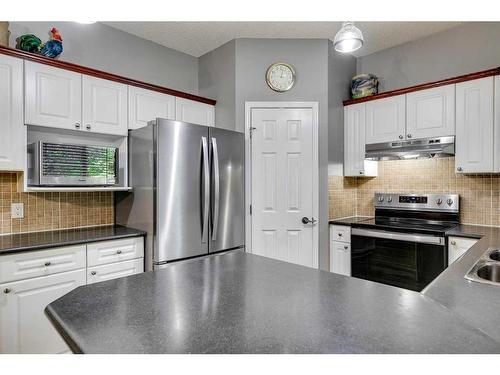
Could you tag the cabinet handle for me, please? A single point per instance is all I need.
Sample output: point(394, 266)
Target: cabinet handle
point(77, 125)
point(88, 127)
point(401, 137)
point(47, 264)
point(7, 290)
point(118, 251)
point(459, 169)
point(93, 273)
point(408, 135)
point(453, 243)
point(360, 172)
point(346, 247)
point(340, 234)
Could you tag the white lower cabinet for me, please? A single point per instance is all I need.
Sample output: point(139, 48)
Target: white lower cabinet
point(114, 270)
point(24, 327)
point(340, 249)
point(29, 281)
point(457, 246)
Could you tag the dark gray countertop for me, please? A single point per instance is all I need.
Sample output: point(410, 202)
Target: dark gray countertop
point(478, 304)
point(349, 220)
point(13, 243)
point(244, 303)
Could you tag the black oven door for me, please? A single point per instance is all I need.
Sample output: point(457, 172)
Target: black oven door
point(409, 261)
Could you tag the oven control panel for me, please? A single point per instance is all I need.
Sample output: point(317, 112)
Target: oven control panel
point(418, 202)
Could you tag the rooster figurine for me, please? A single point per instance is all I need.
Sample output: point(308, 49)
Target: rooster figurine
point(53, 48)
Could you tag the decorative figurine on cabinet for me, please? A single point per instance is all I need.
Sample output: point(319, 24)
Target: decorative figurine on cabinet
point(29, 43)
point(53, 48)
point(364, 85)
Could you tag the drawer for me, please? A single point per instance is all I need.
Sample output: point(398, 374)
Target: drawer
point(41, 263)
point(340, 233)
point(106, 252)
point(114, 270)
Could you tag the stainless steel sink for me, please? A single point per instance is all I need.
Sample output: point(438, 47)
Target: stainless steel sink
point(494, 255)
point(487, 268)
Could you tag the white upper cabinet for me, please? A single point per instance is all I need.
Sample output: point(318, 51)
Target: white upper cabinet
point(53, 97)
point(146, 105)
point(104, 106)
point(496, 124)
point(354, 143)
point(385, 119)
point(474, 126)
point(194, 112)
point(12, 130)
point(431, 113)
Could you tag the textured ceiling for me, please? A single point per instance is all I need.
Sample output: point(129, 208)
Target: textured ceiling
point(198, 38)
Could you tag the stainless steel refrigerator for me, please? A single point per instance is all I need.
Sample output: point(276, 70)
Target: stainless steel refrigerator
point(188, 190)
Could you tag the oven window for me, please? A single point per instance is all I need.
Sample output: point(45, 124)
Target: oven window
point(408, 265)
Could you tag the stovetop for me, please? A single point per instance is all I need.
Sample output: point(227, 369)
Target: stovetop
point(407, 225)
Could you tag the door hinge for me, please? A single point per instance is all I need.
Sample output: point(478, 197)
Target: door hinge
point(252, 129)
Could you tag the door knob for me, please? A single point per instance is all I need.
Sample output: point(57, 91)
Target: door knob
point(306, 220)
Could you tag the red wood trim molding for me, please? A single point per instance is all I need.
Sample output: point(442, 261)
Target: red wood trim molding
point(424, 86)
point(100, 74)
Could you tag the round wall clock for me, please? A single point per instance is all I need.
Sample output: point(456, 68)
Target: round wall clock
point(280, 77)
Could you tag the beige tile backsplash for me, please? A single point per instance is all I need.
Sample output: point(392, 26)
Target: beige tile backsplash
point(479, 194)
point(50, 211)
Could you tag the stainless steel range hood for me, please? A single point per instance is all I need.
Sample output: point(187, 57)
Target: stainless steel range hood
point(437, 147)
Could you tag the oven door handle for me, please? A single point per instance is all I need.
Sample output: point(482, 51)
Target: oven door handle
point(420, 238)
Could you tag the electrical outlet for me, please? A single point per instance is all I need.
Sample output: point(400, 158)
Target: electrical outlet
point(17, 210)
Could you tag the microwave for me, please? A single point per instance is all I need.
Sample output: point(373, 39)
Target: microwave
point(65, 164)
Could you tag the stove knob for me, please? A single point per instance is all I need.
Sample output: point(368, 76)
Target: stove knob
point(389, 199)
point(439, 201)
point(449, 201)
point(380, 199)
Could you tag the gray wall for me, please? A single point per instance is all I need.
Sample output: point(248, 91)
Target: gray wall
point(463, 49)
point(102, 47)
point(217, 80)
point(310, 60)
point(341, 68)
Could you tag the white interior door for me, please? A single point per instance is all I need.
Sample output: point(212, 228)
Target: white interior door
point(283, 168)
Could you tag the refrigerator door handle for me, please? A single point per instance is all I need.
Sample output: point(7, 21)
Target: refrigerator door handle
point(206, 188)
point(215, 220)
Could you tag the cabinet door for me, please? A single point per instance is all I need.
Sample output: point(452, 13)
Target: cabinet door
point(340, 258)
point(12, 130)
point(457, 246)
point(53, 97)
point(146, 105)
point(431, 113)
point(194, 112)
point(104, 106)
point(354, 143)
point(114, 270)
point(474, 126)
point(24, 327)
point(385, 120)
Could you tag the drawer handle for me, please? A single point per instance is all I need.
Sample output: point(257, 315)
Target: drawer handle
point(93, 273)
point(7, 290)
point(340, 234)
point(118, 251)
point(47, 264)
point(453, 243)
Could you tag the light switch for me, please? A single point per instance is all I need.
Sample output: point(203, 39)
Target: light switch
point(17, 210)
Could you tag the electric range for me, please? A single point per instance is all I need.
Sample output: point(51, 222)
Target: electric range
point(404, 245)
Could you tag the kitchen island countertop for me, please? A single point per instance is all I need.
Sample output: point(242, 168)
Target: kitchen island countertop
point(244, 303)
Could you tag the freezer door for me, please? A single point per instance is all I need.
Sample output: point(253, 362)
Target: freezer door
point(227, 150)
point(182, 191)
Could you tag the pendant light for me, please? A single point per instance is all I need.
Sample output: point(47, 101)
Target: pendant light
point(348, 39)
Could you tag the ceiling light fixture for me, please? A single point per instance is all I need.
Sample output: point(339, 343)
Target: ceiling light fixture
point(348, 39)
point(86, 22)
